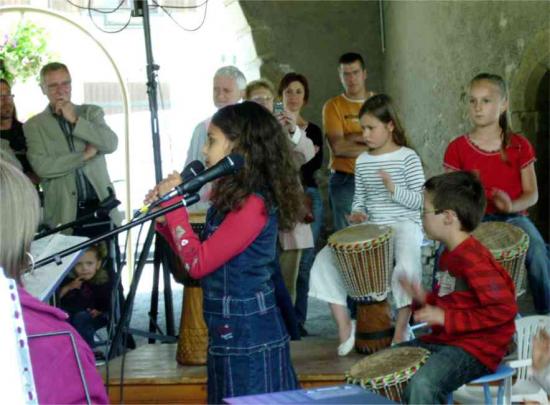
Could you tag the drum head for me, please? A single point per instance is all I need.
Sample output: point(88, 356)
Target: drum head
point(394, 364)
point(501, 237)
point(359, 233)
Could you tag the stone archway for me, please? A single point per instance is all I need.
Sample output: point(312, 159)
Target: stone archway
point(529, 114)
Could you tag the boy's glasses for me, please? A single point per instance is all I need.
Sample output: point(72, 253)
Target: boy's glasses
point(435, 212)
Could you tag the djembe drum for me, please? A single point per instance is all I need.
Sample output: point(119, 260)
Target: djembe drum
point(365, 258)
point(193, 339)
point(389, 371)
point(508, 244)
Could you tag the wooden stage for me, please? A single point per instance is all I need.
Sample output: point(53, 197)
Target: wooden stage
point(152, 375)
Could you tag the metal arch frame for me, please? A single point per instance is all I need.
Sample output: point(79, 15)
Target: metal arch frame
point(125, 102)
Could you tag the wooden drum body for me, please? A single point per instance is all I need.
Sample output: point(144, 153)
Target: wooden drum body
point(508, 244)
point(193, 339)
point(365, 258)
point(374, 326)
point(388, 372)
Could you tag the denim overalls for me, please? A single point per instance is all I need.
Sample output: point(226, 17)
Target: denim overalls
point(248, 347)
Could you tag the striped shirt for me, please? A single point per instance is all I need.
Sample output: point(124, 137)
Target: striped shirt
point(383, 207)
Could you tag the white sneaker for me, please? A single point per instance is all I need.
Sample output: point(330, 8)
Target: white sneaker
point(345, 348)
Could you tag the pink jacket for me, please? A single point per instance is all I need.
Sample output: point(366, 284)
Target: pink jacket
point(55, 369)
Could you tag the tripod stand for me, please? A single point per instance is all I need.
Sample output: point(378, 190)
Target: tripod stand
point(122, 328)
point(141, 9)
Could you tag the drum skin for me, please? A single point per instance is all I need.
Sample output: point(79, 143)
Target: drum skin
point(389, 371)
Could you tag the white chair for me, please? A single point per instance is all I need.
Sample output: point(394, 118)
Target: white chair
point(524, 388)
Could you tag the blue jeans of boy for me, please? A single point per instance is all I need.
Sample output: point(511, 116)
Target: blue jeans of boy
point(308, 255)
point(447, 369)
point(537, 260)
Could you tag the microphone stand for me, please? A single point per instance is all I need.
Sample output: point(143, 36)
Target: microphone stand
point(141, 9)
point(122, 328)
point(101, 212)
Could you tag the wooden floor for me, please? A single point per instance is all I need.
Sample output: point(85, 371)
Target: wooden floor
point(152, 375)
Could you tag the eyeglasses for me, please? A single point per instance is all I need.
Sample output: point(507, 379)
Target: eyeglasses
point(261, 99)
point(6, 96)
point(55, 86)
point(424, 211)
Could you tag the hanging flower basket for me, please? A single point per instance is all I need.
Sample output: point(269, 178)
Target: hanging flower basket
point(23, 52)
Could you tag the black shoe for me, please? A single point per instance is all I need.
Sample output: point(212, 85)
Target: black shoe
point(303, 331)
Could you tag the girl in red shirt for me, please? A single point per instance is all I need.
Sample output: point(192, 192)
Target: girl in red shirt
point(505, 164)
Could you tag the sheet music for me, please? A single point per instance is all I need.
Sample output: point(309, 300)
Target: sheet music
point(42, 281)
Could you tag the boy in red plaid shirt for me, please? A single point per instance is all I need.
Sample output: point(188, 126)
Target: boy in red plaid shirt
point(472, 309)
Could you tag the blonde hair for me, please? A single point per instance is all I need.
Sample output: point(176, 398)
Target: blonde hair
point(259, 84)
point(19, 218)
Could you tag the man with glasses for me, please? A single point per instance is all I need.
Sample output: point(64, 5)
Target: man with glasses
point(67, 144)
point(12, 140)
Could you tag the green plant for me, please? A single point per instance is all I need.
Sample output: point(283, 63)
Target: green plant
point(23, 52)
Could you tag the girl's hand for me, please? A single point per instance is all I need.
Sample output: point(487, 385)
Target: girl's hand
point(413, 289)
point(173, 180)
point(502, 201)
point(541, 351)
point(165, 186)
point(75, 284)
point(430, 314)
point(357, 217)
point(387, 180)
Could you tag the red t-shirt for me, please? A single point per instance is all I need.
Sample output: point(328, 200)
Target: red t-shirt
point(493, 171)
point(479, 303)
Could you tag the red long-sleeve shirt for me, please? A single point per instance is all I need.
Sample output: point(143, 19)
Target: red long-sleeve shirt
point(480, 312)
point(236, 232)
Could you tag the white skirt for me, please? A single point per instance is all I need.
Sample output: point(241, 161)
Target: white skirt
point(325, 280)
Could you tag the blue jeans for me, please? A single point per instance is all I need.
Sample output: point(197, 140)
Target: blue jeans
point(341, 187)
point(308, 255)
point(537, 260)
point(447, 368)
point(86, 325)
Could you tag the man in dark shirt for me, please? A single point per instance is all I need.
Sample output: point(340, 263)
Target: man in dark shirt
point(11, 131)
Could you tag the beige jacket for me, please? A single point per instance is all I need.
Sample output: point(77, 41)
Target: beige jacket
point(49, 155)
point(300, 237)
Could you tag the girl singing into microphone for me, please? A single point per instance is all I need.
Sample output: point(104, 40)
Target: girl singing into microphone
point(235, 258)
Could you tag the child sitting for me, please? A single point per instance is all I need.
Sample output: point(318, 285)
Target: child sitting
point(86, 294)
point(472, 309)
point(541, 359)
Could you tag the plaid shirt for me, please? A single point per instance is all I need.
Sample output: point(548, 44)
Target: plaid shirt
point(480, 309)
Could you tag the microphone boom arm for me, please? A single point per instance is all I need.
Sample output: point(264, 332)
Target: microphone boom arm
point(185, 202)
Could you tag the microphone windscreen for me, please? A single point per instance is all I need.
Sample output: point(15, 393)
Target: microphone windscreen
point(192, 170)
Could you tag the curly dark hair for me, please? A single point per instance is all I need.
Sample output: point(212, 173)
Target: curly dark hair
point(269, 168)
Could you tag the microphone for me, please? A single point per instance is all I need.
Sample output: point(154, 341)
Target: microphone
point(189, 172)
point(230, 164)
